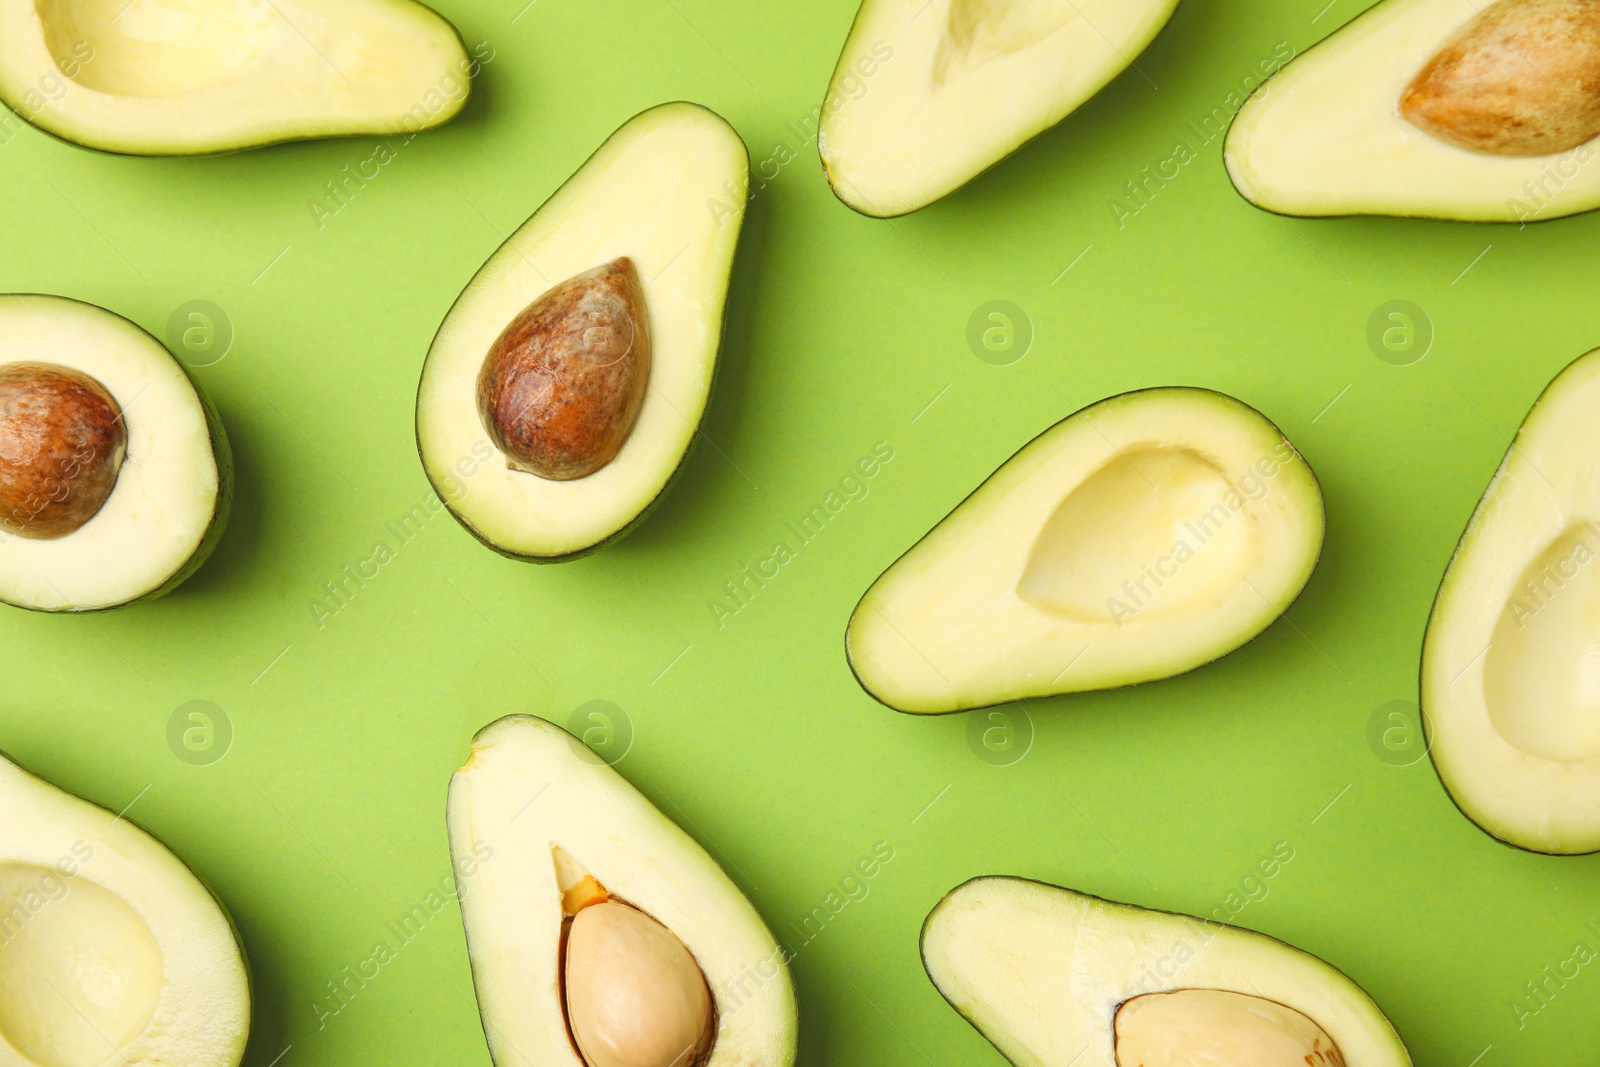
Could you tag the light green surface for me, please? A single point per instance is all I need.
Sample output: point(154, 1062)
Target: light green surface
point(325, 822)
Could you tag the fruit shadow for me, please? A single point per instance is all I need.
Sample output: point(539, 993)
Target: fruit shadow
point(708, 470)
point(240, 546)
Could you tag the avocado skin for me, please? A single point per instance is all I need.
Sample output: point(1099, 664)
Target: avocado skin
point(1222, 155)
point(221, 452)
point(236, 149)
point(694, 440)
point(1322, 542)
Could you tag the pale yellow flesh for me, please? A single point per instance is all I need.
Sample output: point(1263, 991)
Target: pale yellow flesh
point(666, 190)
point(166, 493)
point(1213, 1027)
point(111, 952)
point(1511, 664)
point(1041, 972)
point(1326, 137)
point(586, 819)
point(912, 111)
point(1134, 540)
point(181, 76)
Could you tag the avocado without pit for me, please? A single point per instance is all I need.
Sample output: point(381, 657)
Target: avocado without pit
point(115, 474)
point(1136, 539)
point(111, 950)
point(568, 382)
point(1432, 108)
point(601, 934)
point(1056, 978)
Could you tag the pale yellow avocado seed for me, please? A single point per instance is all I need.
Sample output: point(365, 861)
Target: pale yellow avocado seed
point(1202, 1027)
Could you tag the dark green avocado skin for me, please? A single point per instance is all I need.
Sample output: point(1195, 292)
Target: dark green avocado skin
point(1321, 543)
point(221, 451)
point(247, 147)
point(677, 472)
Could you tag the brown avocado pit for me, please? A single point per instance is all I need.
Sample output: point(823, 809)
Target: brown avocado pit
point(561, 387)
point(1521, 79)
point(62, 444)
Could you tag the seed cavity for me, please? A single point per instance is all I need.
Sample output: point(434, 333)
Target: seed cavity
point(1214, 1026)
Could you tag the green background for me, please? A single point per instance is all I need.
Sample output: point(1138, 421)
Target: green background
point(325, 820)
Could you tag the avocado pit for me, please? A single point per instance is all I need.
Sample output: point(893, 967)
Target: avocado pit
point(62, 444)
point(1196, 1026)
point(561, 387)
point(1521, 79)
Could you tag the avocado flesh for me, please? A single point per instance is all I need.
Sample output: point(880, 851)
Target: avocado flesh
point(1042, 972)
point(111, 950)
point(531, 814)
point(1509, 659)
point(1326, 136)
point(667, 191)
point(154, 78)
point(1136, 539)
point(173, 490)
point(911, 113)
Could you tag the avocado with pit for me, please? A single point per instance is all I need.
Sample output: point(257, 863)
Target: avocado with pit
point(927, 96)
point(1509, 703)
point(1057, 978)
point(1432, 108)
point(115, 474)
point(567, 384)
point(146, 78)
point(111, 950)
point(601, 934)
point(1136, 539)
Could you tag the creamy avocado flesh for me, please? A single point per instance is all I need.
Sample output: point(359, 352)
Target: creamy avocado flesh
point(115, 475)
point(1136, 539)
point(600, 934)
point(147, 77)
point(910, 113)
point(568, 382)
point(1437, 108)
point(1052, 976)
point(111, 951)
point(1509, 665)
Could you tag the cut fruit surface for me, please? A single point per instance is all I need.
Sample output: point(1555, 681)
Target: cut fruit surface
point(665, 194)
point(180, 77)
point(1432, 108)
point(912, 113)
point(1053, 977)
point(132, 483)
point(1510, 664)
point(1135, 539)
point(111, 951)
point(593, 921)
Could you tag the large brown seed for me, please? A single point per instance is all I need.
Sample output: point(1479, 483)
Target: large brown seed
point(562, 387)
point(1521, 79)
point(62, 443)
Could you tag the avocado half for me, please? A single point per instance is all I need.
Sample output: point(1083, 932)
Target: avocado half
point(666, 191)
point(1054, 977)
point(912, 112)
point(170, 501)
point(538, 821)
point(1136, 539)
point(111, 950)
point(1509, 703)
point(1326, 136)
point(138, 77)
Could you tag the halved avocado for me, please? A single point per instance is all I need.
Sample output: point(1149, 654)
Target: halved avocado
point(147, 78)
point(1055, 978)
point(1135, 539)
point(927, 96)
point(568, 382)
point(601, 934)
point(1432, 108)
point(1509, 663)
point(115, 474)
point(111, 950)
